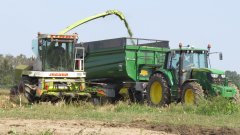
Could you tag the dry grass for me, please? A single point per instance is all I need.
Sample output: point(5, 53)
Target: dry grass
point(4, 91)
point(210, 115)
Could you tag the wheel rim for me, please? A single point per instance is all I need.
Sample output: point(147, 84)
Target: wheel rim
point(189, 96)
point(156, 93)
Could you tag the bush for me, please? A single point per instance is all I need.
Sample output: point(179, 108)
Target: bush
point(214, 106)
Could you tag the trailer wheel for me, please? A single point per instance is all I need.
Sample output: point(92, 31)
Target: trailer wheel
point(135, 96)
point(158, 92)
point(192, 93)
point(99, 101)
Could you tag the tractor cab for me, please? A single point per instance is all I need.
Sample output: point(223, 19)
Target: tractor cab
point(182, 61)
point(191, 74)
point(58, 53)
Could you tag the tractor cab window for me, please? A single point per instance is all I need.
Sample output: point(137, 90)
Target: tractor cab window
point(191, 59)
point(200, 59)
point(173, 60)
point(194, 59)
point(57, 55)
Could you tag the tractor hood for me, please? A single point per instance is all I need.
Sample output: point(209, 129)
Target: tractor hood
point(209, 70)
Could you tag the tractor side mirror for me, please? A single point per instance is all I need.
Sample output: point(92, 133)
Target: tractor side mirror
point(220, 56)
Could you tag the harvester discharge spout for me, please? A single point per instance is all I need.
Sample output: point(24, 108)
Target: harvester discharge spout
point(107, 13)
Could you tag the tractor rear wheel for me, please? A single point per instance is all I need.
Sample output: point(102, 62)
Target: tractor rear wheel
point(192, 93)
point(158, 92)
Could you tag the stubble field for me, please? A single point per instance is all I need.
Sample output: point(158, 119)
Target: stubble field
point(217, 117)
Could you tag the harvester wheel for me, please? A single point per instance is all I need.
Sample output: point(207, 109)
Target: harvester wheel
point(26, 91)
point(192, 93)
point(158, 92)
point(14, 94)
point(21, 94)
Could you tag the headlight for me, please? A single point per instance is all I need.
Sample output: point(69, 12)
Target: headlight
point(223, 76)
point(214, 75)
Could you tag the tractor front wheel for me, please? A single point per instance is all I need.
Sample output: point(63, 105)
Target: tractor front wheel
point(236, 97)
point(192, 93)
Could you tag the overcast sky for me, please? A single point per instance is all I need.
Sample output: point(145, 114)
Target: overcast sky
point(197, 23)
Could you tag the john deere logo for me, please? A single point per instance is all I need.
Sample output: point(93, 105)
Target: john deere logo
point(144, 73)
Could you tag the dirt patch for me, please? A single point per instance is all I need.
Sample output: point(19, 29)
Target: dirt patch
point(188, 130)
point(59, 127)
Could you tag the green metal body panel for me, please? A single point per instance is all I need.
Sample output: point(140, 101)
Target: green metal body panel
point(108, 63)
point(224, 91)
point(18, 72)
point(124, 62)
point(202, 75)
point(168, 75)
point(208, 70)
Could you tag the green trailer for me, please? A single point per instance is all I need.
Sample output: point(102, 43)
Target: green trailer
point(124, 64)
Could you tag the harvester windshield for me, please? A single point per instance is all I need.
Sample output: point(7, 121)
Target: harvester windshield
point(58, 56)
point(56, 53)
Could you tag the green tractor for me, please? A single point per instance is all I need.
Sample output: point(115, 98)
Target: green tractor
point(187, 78)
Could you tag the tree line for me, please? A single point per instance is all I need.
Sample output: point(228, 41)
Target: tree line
point(7, 66)
point(9, 62)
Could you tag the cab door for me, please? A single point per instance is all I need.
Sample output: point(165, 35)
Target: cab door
point(79, 59)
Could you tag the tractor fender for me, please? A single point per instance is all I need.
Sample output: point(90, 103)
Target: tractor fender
point(166, 74)
point(189, 80)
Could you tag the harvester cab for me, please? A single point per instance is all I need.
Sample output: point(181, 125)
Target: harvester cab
point(187, 77)
point(58, 53)
point(57, 72)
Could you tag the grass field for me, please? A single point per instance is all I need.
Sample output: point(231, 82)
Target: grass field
point(220, 112)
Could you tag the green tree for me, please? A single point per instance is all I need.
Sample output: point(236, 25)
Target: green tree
point(7, 65)
point(234, 77)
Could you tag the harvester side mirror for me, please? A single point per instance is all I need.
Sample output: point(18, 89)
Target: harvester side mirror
point(220, 56)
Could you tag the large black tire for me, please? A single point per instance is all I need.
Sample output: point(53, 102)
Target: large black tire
point(135, 96)
point(192, 93)
point(158, 92)
point(14, 94)
point(20, 95)
point(26, 91)
point(236, 97)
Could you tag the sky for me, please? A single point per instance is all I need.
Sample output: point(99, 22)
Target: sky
point(196, 23)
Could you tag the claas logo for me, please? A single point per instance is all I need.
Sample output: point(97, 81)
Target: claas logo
point(58, 74)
